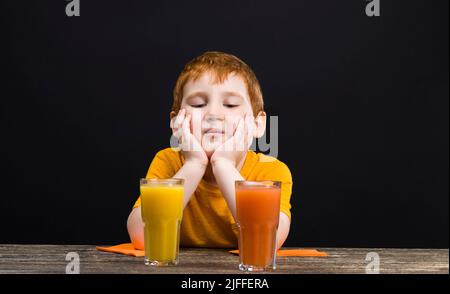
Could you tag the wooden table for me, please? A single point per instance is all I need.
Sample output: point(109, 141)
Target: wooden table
point(18, 259)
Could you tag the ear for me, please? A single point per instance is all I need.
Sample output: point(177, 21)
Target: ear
point(260, 124)
point(172, 115)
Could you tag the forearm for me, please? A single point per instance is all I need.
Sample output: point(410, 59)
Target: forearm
point(191, 173)
point(226, 175)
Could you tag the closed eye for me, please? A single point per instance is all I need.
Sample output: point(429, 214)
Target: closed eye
point(198, 105)
point(231, 105)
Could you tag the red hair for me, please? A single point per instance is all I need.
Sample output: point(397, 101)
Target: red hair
point(221, 65)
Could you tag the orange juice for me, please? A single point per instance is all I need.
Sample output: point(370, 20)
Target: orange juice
point(162, 210)
point(258, 211)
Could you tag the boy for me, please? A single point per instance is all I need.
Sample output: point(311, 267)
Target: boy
point(217, 111)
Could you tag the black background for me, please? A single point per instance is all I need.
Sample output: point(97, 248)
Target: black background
point(362, 105)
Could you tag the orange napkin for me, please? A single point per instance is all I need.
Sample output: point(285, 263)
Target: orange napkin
point(295, 252)
point(128, 249)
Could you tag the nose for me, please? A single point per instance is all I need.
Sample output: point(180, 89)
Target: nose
point(214, 112)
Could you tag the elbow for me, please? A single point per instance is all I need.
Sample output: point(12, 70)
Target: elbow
point(283, 230)
point(135, 228)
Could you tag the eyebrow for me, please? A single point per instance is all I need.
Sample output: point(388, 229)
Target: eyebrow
point(224, 94)
point(197, 93)
point(230, 93)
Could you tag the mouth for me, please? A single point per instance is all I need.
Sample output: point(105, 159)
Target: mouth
point(213, 131)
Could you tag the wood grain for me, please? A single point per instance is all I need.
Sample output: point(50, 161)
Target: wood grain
point(51, 259)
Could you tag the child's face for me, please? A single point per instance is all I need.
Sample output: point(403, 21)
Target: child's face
point(215, 108)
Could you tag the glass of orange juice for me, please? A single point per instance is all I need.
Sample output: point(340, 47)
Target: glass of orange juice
point(258, 211)
point(162, 210)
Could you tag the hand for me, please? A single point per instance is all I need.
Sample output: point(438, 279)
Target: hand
point(190, 147)
point(235, 148)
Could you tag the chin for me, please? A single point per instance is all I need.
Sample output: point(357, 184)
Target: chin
point(209, 147)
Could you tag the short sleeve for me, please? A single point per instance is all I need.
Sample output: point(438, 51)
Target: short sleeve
point(276, 170)
point(283, 174)
point(164, 165)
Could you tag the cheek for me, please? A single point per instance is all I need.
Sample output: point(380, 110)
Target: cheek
point(231, 123)
point(196, 120)
point(196, 124)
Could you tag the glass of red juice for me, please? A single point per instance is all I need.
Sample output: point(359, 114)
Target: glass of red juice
point(258, 212)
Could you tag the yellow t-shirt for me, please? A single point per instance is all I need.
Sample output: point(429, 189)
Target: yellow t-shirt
point(207, 221)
